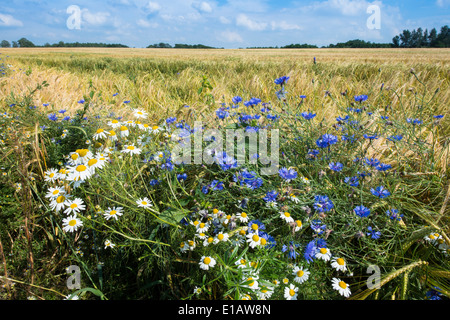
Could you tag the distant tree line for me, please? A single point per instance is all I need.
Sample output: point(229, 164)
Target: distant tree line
point(25, 43)
point(420, 38)
point(180, 46)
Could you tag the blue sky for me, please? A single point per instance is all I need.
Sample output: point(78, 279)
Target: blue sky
point(218, 23)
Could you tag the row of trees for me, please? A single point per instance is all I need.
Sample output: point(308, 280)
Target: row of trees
point(25, 43)
point(420, 38)
point(180, 46)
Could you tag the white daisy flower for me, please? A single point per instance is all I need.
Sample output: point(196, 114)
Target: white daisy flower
point(62, 173)
point(201, 236)
point(112, 135)
point(197, 290)
point(207, 262)
point(291, 292)
point(294, 198)
point(253, 240)
point(184, 246)
point(221, 237)
point(140, 114)
point(54, 193)
point(109, 244)
point(286, 216)
point(202, 227)
point(339, 264)
point(241, 263)
point(114, 212)
point(341, 286)
point(298, 225)
point(324, 254)
point(74, 206)
point(251, 282)
point(265, 293)
point(79, 172)
point(58, 203)
point(131, 149)
point(51, 175)
point(99, 134)
point(114, 123)
point(207, 241)
point(123, 131)
point(71, 223)
point(242, 217)
point(144, 203)
point(301, 275)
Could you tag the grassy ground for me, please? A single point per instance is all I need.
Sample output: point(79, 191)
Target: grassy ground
point(399, 84)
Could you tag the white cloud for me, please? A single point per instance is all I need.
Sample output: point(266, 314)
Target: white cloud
point(202, 6)
point(283, 25)
point(230, 36)
point(244, 21)
point(224, 20)
point(442, 3)
point(98, 18)
point(146, 24)
point(153, 7)
point(7, 20)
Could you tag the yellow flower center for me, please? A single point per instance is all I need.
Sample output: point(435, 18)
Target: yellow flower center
point(210, 239)
point(155, 127)
point(181, 244)
point(340, 261)
point(73, 206)
point(263, 241)
point(100, 131)
point(55, 192)
point(220, 236)
point(92, 162)
point(82, 152)
point(202, 225)
point(254, 226)
point(130, 147)
point(323, 250)
point(112, 133)
point(255, 238)
point(243, 261)
point(60, 199)
point(300, 273)
point(144, 203)
point(72, 222)
point(215, 211)
point(51, 175)
point(342, 284)
point(113, 212)
point(291, 292)
point(81, 168)
point(243, 215)
point(191, 243)
point(287, 214)
point(252, 282)
point(207, 260)
point(123, 128)
point(299, 223)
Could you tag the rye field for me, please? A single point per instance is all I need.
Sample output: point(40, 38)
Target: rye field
point(335, 184)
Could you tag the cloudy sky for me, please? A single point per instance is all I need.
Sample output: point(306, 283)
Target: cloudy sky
point(218, 23)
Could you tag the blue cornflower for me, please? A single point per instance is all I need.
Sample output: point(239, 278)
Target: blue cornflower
point(395, 137)
point(317, 226)
point(171, 120)
point(310, 251)
point(249, 179)
point(81, 101)
point(115, 94)
point(282, 80)
point(236, 99)
point(361, 98)
point(127, 101)
point(380, 192)
point(62, 111)
point(66, 118)
point(222, 114)
point(393, 214)
point(372, 162)
point(414, 121)
point(181, 176)
point(373, 234)
point(45, 104)
point(326, 140)
point(323, 203)
point(205, 189)
point(272, 117)
point(313, 153)
point(434, 294)
point(255, 226)
point(352, 181)
point(287, 174)
point(361, 211)
point(302, 96)
point(271, 196)
point(336, 166)
point(440, 116)
point(372, 137)
point(383, 167)
point(216, 185)
point(270, 241)
point(292, 254)
point(348, 138)
point(308, 115)
point(153, 182)
point(340, 119)
point(53, 117)
point(226, 162)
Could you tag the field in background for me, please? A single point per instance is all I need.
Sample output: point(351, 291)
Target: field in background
point(165, 79)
